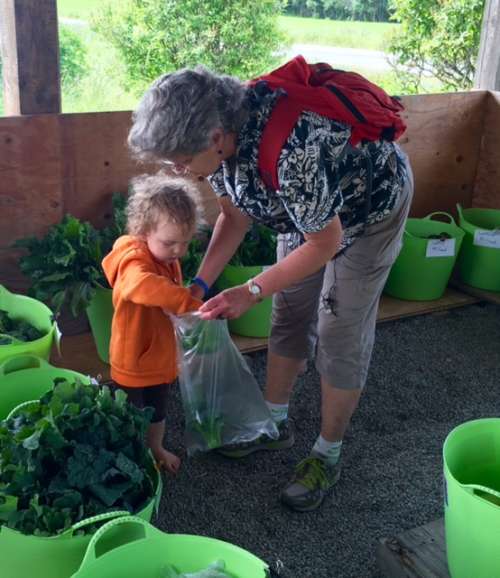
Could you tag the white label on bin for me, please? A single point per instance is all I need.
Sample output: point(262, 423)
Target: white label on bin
point(489, 239)
point(440, 248)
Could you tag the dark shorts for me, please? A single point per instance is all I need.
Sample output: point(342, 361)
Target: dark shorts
point(154, 396)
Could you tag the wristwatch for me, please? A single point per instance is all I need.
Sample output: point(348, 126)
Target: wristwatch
point(254, 289)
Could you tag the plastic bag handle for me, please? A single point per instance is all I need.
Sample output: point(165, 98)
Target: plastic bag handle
point(94, 520)
point(475, 487)
point(90, 554)
point(27, 362)
point(443, 214)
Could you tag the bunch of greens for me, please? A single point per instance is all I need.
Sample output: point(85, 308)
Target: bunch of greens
point(77, 453)
point(12, 330)
point(192, 259)
point(65, 265)
point(258, 248)
point(201, 421)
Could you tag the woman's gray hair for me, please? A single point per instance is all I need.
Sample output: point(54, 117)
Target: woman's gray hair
point(180, 111)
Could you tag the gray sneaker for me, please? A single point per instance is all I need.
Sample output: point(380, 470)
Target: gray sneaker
point(312, 480)
point(285, 440)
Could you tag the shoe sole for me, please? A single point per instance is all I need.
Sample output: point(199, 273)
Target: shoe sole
point(315, 505)
point(272, 446)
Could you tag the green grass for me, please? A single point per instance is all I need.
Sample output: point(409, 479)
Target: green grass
point(368, 35)
point(81, 9)
point(102, 89)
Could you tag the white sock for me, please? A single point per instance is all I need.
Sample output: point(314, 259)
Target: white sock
point(279, 411)
point(329, 451)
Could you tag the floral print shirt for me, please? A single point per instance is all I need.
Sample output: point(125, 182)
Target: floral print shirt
point(320, 176)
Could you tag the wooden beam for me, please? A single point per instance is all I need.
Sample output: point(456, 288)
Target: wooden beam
point(30, 54)
point(488, 62)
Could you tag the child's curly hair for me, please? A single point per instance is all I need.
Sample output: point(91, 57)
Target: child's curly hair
point(155, 197)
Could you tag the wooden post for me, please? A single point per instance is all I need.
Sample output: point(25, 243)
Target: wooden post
point(488, 62)
point(30, 54)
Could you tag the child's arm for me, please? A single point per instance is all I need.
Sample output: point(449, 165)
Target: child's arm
point(142, 286)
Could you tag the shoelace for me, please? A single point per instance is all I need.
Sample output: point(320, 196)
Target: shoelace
point(311, 473)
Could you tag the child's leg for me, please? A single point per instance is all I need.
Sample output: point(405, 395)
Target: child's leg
point(156, 397)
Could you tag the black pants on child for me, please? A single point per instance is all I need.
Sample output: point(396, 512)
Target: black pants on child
point(154, 396)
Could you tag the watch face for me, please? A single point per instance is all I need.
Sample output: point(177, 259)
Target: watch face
point(254, 288)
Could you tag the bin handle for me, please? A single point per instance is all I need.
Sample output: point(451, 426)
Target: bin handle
point(23, 361)
point(90, 554)
point(493, 496)
point(94, 520)
point(442, 213)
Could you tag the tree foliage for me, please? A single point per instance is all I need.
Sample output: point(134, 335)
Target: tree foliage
point(159, 36)
point(439, 38)
point(369, 10)
point(73, 55)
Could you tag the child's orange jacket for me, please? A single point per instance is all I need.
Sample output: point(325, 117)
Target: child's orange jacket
point(142, 348)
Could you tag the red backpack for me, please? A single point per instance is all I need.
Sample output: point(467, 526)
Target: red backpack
point(344, 96)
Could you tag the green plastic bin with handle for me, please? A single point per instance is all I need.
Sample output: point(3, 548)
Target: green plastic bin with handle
point(145, 551)
point(256, 322)
point(471, 456)
point(27, 377)
point(479, 259)
point(100, 314)
point(58, 556)
point(20, 307)
point(423, 268)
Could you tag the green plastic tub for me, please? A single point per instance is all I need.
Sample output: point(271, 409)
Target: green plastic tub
point(58, 556)
point(35, 312)
point(471, 456)
point(145, 551)
point(27, 377)
point(479, 260)
point(423, 268)
point(256, 322)
point(100, 314)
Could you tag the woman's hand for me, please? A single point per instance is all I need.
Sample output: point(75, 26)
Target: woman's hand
point(229, 304)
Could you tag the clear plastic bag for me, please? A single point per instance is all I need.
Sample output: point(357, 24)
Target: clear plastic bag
point(222, 401)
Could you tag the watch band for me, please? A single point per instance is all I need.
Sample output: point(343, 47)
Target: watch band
point(199, 281)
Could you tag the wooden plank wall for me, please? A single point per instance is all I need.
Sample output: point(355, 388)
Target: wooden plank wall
point(443, 142)
point(53, 164)
point(487, 182)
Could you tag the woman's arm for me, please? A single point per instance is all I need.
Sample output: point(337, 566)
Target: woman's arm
point(310, 257)
point(229, 231)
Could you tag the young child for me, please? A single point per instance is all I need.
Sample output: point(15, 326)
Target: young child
point(144, 271)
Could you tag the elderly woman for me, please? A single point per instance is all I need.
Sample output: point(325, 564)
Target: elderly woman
point(333, 257)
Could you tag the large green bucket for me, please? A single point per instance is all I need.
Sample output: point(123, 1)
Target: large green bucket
point(145, 551)
point(471, 456)
point(27, 377)
point(35, 312)
point(100, 314)
point(479, 260)
point(59, 556)
point(256, 322)
point(423, 268)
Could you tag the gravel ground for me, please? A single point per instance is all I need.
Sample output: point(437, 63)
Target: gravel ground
point(428, 374)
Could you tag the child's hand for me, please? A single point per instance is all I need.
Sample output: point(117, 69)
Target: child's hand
point(196, 291)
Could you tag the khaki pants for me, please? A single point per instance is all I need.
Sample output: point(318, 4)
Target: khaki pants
point(332, 314)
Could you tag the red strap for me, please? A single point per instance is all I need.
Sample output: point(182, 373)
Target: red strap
point(274, 136)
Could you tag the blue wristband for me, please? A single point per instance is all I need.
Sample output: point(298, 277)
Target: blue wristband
point(199, 281)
